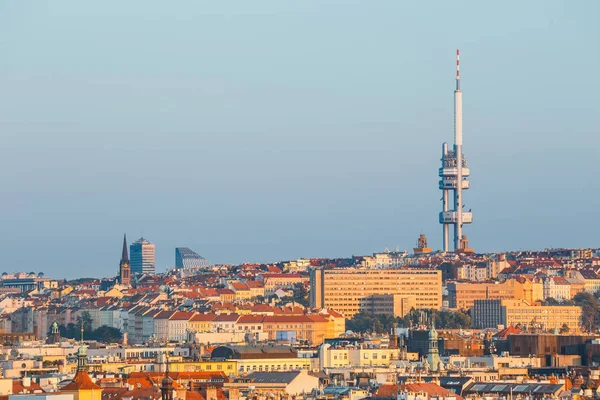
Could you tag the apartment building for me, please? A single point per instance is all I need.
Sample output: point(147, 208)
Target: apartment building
point(272, 282)
point(343, 289)
point(314, 328)
point(591, 280)
point(356, 356)
point(491, 313)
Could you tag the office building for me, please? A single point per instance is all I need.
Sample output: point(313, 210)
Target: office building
point(345, 289)
point(187, 259)
point(462, 295)
point(142, 257)
point(387, 304)
point(492, 313)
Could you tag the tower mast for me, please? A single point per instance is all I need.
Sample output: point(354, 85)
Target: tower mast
point(454, 176)
point(458, 202)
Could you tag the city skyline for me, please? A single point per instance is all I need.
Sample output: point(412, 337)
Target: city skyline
point(305, 143)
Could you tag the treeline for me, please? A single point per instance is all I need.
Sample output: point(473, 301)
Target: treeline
point(105, 334)
point(364, 322)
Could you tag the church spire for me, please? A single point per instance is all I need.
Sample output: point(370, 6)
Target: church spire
point(124, 268)
point(125, 254)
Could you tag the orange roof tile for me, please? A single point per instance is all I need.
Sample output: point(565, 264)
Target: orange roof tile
point(81, 381)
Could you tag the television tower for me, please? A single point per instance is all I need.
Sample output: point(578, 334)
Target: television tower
point(454, 176)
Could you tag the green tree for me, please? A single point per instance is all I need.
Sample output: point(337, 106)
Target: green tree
point(564, 329)
point(590, 308)
point(86, 319)
point(106, 334)
point(301, 294)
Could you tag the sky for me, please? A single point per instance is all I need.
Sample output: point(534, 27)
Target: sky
point(274, 130)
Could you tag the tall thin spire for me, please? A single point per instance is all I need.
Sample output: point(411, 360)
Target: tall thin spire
point(125, 254)
point(124, 268)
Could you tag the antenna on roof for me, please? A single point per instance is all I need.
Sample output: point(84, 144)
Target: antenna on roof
point(81, 331)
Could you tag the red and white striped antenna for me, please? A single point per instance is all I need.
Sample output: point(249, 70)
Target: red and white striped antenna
point(457, 69)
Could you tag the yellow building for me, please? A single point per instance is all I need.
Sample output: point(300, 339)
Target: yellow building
point(462, 295)
point(202, 322)
point(82, 387)
point(262, 359)
point(492, 313)
point(359, 356)
point(227, 367)
point(547, 317)
point(242, 290)
point(342, 289)
point(530, 290)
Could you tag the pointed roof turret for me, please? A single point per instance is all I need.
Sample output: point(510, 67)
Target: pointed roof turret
point(125, 255)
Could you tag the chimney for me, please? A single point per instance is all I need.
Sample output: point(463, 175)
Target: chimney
point(211, 393)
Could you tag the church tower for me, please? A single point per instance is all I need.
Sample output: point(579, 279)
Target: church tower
point(82, 387)
point(124, 268)
point(166, 387)
point(433, 356)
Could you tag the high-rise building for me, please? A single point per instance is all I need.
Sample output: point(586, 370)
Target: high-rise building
point(187, 259)
point(124, 267)
point(351, 290)
point(142, 257)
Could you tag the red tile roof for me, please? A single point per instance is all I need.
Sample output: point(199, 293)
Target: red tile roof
point(250, 319)
point(182, 316)
point(386, 391)
point(81, 381)
point(203, 317)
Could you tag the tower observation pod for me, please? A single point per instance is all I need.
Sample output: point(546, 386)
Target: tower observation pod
point(454, 175)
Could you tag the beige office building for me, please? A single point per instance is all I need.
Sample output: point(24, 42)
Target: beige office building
point(492, 313)
point(348, 290)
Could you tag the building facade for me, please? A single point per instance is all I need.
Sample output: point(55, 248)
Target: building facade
point(491, 313)
point(142, 257)
point(187, 259)
point(344, 289)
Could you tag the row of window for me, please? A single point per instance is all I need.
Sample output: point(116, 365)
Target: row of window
point(284, 367)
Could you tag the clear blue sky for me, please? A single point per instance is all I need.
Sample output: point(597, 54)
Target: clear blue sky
point(268, 130)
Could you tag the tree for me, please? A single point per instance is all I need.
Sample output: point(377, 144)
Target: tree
point(301, 294)
point(564, 329)
point(590, 308)
point(86, 319)
point(106, 334)
point(551, 301)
